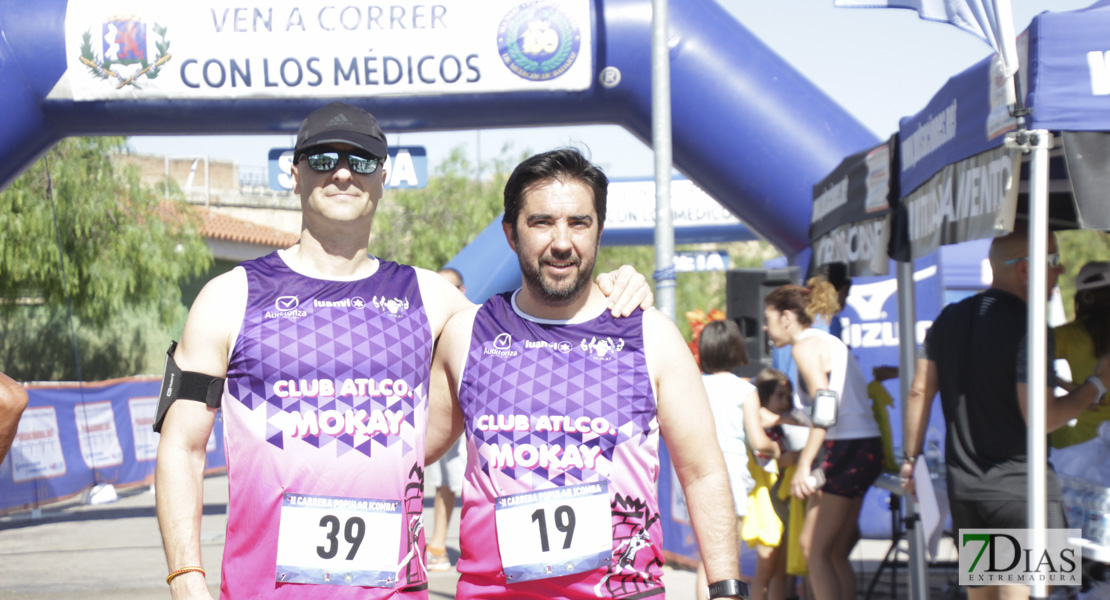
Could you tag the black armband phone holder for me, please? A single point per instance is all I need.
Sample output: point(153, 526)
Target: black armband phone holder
point(825, 408)
point(188, 385)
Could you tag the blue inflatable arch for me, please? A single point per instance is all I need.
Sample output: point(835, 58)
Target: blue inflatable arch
point(747, 128)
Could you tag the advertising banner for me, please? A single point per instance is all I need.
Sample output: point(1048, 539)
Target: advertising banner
point(130, 49)
point(967, 116)
point(972, 199)
point(850, 219)
point(72, 437)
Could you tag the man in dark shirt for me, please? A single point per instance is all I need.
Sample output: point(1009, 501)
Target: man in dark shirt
point(975, 355)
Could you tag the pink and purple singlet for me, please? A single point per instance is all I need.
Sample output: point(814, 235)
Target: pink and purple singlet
point(559, 497)
point(325, 413)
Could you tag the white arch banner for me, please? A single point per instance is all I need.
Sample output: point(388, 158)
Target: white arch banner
point(212, 49)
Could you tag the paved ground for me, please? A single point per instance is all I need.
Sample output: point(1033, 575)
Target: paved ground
point(74, 550)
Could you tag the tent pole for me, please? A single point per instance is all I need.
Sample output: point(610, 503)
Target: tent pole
point(907, 345)
point(907, 309)
point(661, 144)
point(1040, 141)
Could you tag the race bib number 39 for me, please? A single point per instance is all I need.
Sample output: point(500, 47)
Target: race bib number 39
point(338, 541)
point(556, 532)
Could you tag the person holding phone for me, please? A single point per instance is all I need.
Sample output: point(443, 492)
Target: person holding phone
point(844, 446)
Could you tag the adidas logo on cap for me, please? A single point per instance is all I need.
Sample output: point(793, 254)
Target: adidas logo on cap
point(342, 123)
point(339, 120)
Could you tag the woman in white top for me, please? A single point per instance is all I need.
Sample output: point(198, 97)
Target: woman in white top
point(847, 454)
point(720, 351)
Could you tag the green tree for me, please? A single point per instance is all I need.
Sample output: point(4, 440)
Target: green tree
point(125, 251)
point(36, 344)
point(1077, 248)
point(701, 290)
point(427, 227)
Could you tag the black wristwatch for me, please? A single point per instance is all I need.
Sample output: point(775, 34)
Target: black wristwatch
point(728, 588)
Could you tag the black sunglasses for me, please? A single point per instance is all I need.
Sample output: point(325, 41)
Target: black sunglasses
point(326, 161)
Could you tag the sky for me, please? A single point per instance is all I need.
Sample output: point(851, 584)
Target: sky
point(878, 64)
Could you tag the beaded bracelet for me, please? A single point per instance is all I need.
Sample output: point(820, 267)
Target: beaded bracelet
point(183, 571)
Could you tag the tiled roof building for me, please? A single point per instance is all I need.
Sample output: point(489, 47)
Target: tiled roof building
point(235, 239)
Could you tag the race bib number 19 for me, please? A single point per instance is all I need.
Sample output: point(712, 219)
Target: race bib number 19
point(338, 541)
point(556, 532)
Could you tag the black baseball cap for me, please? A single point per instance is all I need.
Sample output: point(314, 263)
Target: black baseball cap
point(341, 123)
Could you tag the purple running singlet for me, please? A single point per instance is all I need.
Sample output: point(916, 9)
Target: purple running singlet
point(325, 412)
point(559, 497)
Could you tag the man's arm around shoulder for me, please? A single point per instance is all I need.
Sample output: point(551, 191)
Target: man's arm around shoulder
point(686, 423)
point(179, 475)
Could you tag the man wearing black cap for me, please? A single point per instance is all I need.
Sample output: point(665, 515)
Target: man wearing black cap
point(326, 352)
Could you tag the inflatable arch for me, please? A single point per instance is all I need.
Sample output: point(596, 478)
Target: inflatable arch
point(747, 128)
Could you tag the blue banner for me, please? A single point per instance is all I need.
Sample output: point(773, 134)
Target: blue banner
point(1068, 75)
point(967, 116)
point(72, 437)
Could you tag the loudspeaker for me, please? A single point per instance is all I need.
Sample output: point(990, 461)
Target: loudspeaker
point(745, 290)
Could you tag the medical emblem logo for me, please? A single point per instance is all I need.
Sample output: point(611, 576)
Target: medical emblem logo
point(125, 56)
point(538, 41)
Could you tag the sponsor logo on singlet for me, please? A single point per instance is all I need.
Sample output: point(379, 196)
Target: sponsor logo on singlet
point(603, 349)
point(563, 346)
point(502, 345)
point(392, 307)
point(353, 302)
point(286, 307)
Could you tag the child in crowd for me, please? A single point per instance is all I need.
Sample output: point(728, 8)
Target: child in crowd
point(771, 452)
point(775, 402)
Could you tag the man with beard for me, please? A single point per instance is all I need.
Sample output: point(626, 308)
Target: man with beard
point(319, 357)
point(563, 407)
